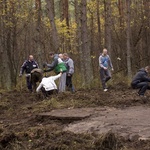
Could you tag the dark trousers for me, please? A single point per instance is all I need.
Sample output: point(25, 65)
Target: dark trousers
point(29, 84)
point(48, 93)
point(69, 83)
point(105, 75)
point(142, 86)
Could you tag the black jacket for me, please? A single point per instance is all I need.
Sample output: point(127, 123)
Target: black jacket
point(141, 76)
point(28, 66)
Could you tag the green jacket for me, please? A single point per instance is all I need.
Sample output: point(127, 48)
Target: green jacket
point(60, 68)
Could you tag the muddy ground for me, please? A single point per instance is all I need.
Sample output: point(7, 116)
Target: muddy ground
point(116, 120)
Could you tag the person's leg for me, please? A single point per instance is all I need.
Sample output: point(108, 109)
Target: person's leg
point(51, 92)
point(44, 92)
point(62, 82)
point(143, 86)
point(29, 84)
point(69, 83)
point(102, 77)
point(108, 75)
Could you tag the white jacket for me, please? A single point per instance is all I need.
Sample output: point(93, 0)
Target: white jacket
point(48, 83)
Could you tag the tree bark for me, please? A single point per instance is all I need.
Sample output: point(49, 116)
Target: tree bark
point(128, 30)
point(55, 36)
point(108, 39)
point(85, 45)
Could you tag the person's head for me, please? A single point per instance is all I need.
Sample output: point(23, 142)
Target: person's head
point(61, 56)
point(147, 69)
point(51, 54)
point(104, 51)
point(31, 57)
point(66, 56)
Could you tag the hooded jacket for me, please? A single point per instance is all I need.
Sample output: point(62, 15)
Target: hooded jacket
point(57, 65)
point(141, 76)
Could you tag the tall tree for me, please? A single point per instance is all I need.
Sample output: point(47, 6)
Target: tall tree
point(108, 24)
point(55, 36)
point(128, 30)
point(99, 24)
point(88, 74)
point(38, 30)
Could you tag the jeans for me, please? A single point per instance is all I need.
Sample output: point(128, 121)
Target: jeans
point(29, 84)
point(142, 86)
point(105, 75)
point(48, 93)
point(69, 83)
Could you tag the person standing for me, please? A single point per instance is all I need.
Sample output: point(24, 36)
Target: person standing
point(58, 66)
point(141, 81)
point(70, 71)
point(105, 66)
point(27, 67)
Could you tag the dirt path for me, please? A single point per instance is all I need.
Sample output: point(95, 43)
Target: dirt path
point(131, 122)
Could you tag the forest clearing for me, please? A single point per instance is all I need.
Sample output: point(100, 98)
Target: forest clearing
point(82, 44)
point(112, 123)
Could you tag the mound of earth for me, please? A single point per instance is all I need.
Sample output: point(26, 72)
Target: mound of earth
point(116, 120)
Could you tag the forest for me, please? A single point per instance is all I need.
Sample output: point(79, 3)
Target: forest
point(86, 117)
point(82, 28)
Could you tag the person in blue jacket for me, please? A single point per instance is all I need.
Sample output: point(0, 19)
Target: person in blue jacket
point(105, 66)
point(27, 67)
point(141, 81)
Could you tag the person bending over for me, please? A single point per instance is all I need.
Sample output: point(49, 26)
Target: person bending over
point(141, 81)
point(48, 86)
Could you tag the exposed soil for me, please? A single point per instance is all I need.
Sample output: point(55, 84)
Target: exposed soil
point(115, 120)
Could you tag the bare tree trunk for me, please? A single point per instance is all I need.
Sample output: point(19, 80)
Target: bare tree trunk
point(78, 40)
point(99, 26)
point(128, 3)
point(38, 32)
point(55, 36)
point(85, 45)
point(107, 5)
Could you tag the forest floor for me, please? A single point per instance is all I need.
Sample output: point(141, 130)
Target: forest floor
point(85, 120)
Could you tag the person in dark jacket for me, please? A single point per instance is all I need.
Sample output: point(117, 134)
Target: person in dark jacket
point(27, 67)
point(58, 66)
point(141, 81)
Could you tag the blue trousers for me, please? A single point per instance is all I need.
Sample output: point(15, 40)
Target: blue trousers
point(105, 75)
point(29, 84)
point(142, 86)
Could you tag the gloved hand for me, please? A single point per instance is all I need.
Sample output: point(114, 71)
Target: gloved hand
point(20, 75)
point(44, 64)
point(68, 74)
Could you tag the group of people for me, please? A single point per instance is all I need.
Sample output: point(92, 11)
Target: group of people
point(140, 80)
point(62, 65)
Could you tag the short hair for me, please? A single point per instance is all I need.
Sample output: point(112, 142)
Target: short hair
point(51, 53)
point(66, 54)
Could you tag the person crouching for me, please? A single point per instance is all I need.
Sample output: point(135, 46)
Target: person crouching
point(48, 86)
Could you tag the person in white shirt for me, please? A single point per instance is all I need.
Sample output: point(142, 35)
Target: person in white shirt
point(48, 86)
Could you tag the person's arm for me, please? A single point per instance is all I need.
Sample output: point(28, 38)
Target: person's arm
point(56, 77)
point(22, 68)
point(39, 87)
point(110, 63)
point(36, 64)
point(52, 65)
point(71, 66)
point(146, 78)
